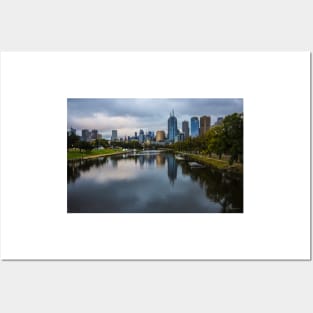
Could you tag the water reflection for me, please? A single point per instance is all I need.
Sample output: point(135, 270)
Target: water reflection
point(150, 182)
point(223, 188)
point(160, 160)
point(171, 168)
point(76, 167)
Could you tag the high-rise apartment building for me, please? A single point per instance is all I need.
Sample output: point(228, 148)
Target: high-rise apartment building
point(114, 135)
point(85, 134)
point(194, 123)
point(141, 137)
point(160, 135)
point(205, 124)
point(219, 121)
point(94, 134)
point(185, 128)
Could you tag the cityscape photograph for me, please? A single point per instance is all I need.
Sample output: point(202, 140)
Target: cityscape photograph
point(181, 155)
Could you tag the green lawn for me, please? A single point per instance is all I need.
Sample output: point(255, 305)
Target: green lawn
point(221, 164)
point(75, 154)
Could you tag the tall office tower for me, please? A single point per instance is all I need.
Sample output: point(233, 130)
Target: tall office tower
point(172, 127)
point(85, 134)
point(160, 135)
point(185, 127)
point(150, 135)
point(194, 123)
point(136, 135)
point(94, 134)
point(114, 135)
point(219, 121)
point(141, 137)
point(205, 124)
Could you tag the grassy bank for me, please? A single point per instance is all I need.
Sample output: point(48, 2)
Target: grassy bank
point(216, 163)
point(76, 154)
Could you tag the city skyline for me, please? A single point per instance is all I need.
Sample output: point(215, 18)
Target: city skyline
point(128, 116)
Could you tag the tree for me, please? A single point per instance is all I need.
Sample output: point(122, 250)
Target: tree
point(215, 140)
point(233, 136)
point(104, 143)
point(85, 145)
point(72, 141)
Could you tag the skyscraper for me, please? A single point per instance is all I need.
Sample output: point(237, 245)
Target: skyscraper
point(141, 138)
point(172, 127)
point(185, 127)
point(205, 124)
point(219, 121)
point(94, 134)
point(194, 123)
point(160, 135)
point(85, 134)
point(114, 135)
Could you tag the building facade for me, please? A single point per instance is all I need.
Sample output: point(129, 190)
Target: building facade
point(205, 124)
point(185, 128)
point(160, 135)
point(141, 137)
point(194, 123)
point(172, 127)
point(219, 121)
point(179, 137)
point(85, 135)
point(114, 135)
point(94, 134)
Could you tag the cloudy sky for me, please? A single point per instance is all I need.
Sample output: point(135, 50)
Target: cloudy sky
point(130, 115)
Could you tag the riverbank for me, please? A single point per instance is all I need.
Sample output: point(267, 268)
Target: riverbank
point(216, 163)
point(76, 155)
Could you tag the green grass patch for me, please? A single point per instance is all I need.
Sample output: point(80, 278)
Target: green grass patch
point(210, 161)
point(76, 154)
point(220, 164)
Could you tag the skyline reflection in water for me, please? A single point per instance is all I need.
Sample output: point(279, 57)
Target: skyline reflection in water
point(149, 182)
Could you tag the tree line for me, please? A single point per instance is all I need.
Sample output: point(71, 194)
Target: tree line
point(73, 141)
point(223, 139)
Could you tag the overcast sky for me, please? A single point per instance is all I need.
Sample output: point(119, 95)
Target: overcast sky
point(130, 115)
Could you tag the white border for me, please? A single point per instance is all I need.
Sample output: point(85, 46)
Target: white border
point(276, 92)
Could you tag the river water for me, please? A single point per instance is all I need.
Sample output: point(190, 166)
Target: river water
point(150, 182)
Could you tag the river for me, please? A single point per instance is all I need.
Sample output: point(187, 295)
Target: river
point(150, 182)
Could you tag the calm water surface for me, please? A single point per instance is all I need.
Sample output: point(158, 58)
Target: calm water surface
point(149, 182)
